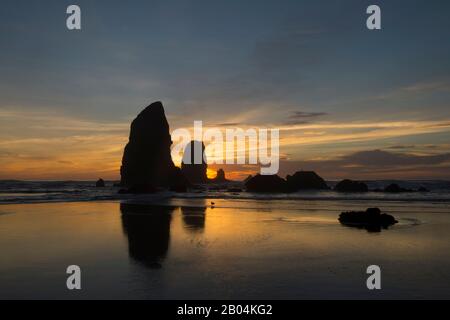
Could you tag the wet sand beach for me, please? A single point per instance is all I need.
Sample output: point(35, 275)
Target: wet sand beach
point(238, 249)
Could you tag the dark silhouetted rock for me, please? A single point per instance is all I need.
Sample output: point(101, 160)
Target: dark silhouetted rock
point(372, 219)
point(138, 189)
point(178, 189)
point(220, 177)
point(395, 188)
point(147, 163)
point(234, 190)
point(178, 181)
point(351, 186)
point(271, 183)
point(194, 169)
point(306, 180)
point(423, 189)
point(100, 183)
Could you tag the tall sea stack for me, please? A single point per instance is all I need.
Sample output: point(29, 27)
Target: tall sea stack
point(147, 163)
point(192, 168)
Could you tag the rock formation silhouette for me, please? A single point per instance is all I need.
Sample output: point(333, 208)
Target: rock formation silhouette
point(147, 163)
point(395, 188)
point(372, 219)
point(269, 183)
point(306, 180)
point(100, 183)
point(351, 186)
point(220, 177)
point(178, 182)
point(194, 167)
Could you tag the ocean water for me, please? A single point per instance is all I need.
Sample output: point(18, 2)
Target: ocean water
point(65, 191)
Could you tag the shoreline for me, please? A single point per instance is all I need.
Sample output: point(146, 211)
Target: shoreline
point(254, 197)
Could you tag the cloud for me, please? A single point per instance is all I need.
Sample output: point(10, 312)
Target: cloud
point(400, 147)
point(302, 117)
point(430, 86)
point(378, 158)
point(350, 132)
point(364, 165)
point(228, 124)
point(376, 164)
point(416, 89)
point(40, 145)
point(41, 121)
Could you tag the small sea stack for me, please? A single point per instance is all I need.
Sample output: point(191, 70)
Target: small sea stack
point(395, 188)
point(372, 219)
point(100, 183)
point(351, 186)
point(266, 184)
point(306, 180)
point(220, 177)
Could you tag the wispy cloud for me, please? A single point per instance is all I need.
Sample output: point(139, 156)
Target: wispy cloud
point(302, 117)
point(376, 164)
point(336, 132)
point(430, 86)
point(38, 145)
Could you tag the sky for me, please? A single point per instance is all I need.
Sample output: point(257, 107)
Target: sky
point(349, 102)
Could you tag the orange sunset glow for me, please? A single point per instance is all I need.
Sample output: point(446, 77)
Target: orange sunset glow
point(57, 147)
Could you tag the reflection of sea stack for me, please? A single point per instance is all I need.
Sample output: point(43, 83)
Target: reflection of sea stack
point(148, 231)
point(193, 218)
point(194, 165)
point(147, 163)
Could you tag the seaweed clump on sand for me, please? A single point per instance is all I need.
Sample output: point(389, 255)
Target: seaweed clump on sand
point(372, 219)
